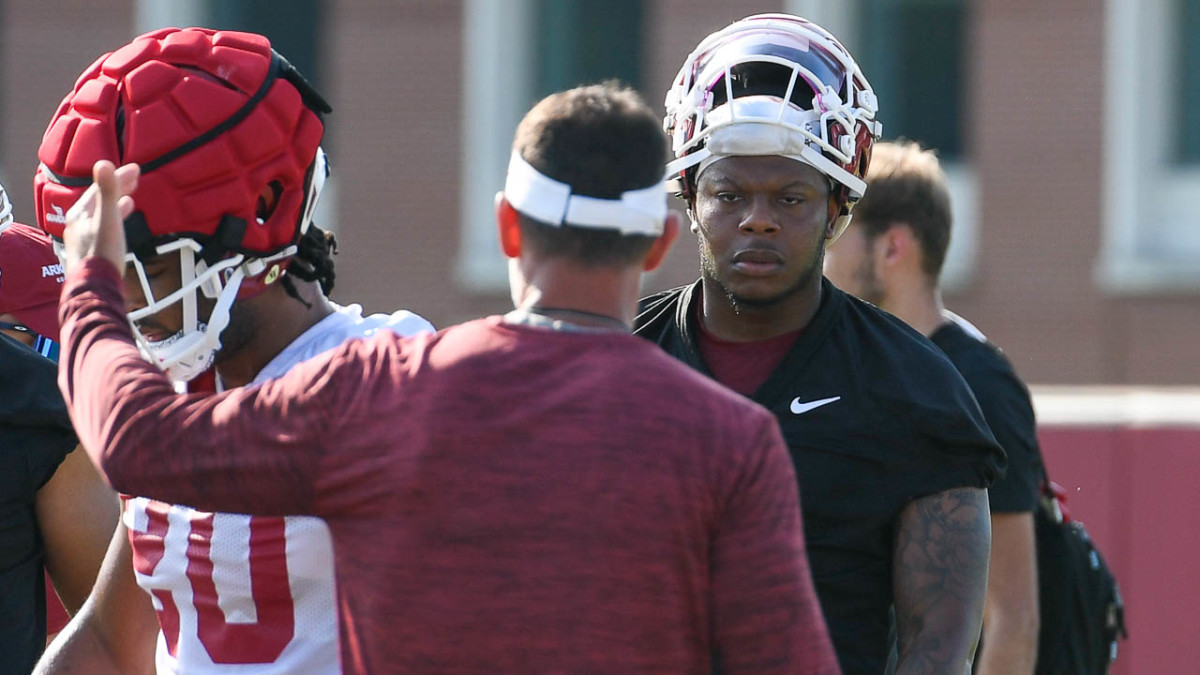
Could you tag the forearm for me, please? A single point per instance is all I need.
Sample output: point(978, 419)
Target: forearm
point(1009, 647)
point(1011, 621)
point(941, 562)
point(79, 649)
point(115, 632)
point(102, 375)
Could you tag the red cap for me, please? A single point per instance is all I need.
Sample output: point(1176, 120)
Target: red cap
point(31, 278)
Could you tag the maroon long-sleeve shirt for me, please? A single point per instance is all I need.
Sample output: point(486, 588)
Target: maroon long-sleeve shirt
point(501, 498)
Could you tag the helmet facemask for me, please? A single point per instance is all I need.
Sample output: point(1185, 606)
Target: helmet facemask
point(192, 349)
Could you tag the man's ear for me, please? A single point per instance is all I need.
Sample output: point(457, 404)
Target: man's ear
point(268, 199)
point(509, 223)
point(659, 249)
point(896, 245)
point(693, 221)
point(689, 203)
point(834, 210)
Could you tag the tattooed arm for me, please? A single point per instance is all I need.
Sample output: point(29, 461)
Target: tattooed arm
point(940, 573)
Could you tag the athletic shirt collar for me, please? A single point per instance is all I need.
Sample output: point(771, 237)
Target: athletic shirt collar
point(741, 366)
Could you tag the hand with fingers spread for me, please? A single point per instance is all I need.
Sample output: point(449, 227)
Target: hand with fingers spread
point(95, 222)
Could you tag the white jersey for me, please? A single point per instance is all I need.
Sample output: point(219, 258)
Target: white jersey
point(242, 594)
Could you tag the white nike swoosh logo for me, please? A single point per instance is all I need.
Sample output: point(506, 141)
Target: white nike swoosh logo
point(799, 407)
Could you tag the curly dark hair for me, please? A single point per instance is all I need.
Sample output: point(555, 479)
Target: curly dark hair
point(313, 261)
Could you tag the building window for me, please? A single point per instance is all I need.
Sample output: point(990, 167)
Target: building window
point(913, 53)
point(517, 52)
point(582, 42)
point(1186, 122)
point(1151, 147)
point(290, 25)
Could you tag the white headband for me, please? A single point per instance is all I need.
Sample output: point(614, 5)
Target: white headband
point(549, 201)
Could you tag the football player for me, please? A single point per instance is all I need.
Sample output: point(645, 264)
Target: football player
point(892, 256)
point(772, 124)
point(226, 285)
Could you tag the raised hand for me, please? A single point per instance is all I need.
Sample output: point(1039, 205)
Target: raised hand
point(95, 223)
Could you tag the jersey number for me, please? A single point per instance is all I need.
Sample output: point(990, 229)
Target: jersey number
point(260, 642)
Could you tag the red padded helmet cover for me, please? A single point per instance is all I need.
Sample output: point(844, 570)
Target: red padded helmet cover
point(148, 100)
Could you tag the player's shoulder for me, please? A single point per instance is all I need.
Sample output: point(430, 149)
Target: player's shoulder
point(904, 372)
point(359, 351)
point(886, 344)
point(916, 394)
point(350, 321)
point(658, 310)
point(344, 325)
point(33, 416)
point(970, 350)
point(405, 323)
point(990, 374)
point(19, 363)
point(31, 391)
point(664, 297)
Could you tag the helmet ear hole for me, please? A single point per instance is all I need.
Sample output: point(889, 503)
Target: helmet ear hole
point(268, 199)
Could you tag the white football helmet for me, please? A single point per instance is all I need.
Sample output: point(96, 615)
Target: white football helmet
point(774, 84)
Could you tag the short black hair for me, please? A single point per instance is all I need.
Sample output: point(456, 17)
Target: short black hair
point(602, 140)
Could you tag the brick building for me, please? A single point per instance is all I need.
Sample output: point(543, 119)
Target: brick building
point(1070, 128)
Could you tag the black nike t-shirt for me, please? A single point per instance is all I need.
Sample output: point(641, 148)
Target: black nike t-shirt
point(35, 436)
point(1006, 405)
point(875, 416)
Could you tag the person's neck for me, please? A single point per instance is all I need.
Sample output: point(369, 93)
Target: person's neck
point(738, 322)
point(920, 307)
point(281, 319)
point(593, 297)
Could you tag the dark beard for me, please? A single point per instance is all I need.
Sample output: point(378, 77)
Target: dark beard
point(708, 269)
